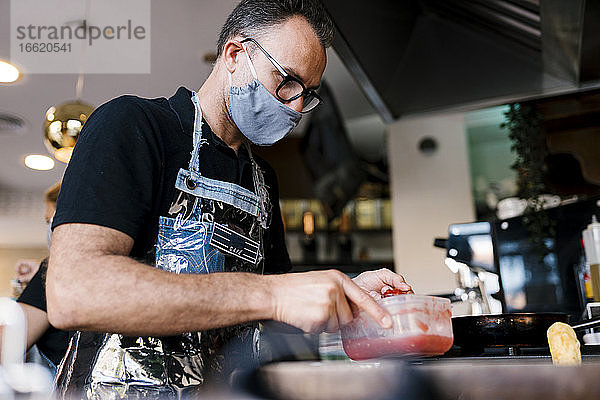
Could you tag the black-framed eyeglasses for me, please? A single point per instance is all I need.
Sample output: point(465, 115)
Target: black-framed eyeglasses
point(290, 88)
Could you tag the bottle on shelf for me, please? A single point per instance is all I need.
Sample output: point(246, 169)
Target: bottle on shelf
point(344, 239)
point(591, 240)
point(309, 243)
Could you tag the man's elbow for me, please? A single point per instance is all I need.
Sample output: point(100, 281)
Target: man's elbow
point(61, 309)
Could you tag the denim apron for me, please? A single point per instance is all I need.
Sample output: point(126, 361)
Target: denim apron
point(212, 226)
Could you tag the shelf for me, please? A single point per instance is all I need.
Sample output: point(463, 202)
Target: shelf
point(332, 231)
point(354, 267)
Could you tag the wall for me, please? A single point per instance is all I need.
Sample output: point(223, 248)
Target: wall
point(21, 237)
point(429, 192)
point(22, 231)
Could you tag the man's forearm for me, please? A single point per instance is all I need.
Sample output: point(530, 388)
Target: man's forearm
point(112, 293)
point(93, 285)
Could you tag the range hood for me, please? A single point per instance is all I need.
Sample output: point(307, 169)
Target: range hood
point(415, 56)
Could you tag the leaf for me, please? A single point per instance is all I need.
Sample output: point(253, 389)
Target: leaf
point(529, 144)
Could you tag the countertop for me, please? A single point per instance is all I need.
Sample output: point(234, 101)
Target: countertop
point(464, 379)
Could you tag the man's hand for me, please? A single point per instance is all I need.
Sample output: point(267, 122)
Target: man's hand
point(321, 300)
point(377, 282)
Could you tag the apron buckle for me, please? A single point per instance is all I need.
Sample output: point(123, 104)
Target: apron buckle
point(190, 184)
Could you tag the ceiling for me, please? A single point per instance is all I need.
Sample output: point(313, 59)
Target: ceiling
point(182, 32)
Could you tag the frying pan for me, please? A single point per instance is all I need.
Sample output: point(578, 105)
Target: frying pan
point(518, 330)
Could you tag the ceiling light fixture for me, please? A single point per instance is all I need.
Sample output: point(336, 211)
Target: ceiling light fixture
point(39, 162)
point(8, 72)
point(62, 125)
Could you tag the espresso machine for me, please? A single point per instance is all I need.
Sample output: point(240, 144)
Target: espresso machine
point(470, 256)
point(528, 280)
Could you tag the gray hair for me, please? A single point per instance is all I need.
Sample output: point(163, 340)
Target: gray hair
point(254, 16)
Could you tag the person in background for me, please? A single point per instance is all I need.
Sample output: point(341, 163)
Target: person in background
point(51, 342)
point(25, 269)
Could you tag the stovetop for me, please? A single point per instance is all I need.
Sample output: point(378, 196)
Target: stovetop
point(589, 353)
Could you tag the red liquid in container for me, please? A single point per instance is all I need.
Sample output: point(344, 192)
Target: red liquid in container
point(421, 326)
point(421, 345)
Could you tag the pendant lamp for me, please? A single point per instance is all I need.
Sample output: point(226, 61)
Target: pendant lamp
point(62, 125)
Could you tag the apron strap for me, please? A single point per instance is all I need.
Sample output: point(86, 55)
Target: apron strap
point(257, 175)
point(198, 140)
point(260, 188)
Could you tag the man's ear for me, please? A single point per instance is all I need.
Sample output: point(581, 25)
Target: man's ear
point(231, 54)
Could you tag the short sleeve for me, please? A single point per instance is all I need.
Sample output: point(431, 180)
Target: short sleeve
point(112, 176)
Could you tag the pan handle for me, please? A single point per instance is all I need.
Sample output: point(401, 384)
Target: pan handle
point(589, 323)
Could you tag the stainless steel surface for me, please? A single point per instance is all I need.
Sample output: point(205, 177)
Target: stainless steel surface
point(562, 26)
point(456, 55)
point(514, 380)
point(590, 43)
point(517, 20)
point(592, 323)
point(571, 38)
point(329, 380)
point(345, 53)
point(465, 379)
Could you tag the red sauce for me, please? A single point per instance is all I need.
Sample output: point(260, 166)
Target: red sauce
point(422, 326)
point(422, 345)
point(394, 292)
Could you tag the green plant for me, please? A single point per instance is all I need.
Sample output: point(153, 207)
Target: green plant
point(529, 144)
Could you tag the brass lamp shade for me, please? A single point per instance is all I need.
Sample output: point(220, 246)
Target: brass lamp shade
point(62, 125)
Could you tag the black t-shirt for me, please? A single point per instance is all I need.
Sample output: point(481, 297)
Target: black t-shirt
point(124, 166)
point(53, 343)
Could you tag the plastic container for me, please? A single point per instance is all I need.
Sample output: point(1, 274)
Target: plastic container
point(422, 326)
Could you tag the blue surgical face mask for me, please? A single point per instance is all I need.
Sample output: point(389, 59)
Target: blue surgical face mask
point(260, 117)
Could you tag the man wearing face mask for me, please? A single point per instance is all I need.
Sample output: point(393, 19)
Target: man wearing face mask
point(168, 232)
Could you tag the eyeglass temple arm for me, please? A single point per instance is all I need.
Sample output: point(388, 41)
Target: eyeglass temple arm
point(275, 63)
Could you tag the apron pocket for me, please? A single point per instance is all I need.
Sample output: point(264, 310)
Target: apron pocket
point(183, 247)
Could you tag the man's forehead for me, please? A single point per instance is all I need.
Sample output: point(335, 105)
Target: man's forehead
point(306, 66)
point(308, 71)
point(295, 45)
